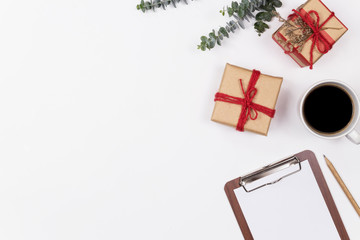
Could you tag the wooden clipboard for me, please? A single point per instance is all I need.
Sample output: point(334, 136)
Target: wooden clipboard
point(299, 158)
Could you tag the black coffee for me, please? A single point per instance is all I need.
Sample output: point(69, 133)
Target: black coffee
point(328, 109)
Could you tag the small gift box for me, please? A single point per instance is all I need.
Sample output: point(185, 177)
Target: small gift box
point(246, 99)
point(309, 32)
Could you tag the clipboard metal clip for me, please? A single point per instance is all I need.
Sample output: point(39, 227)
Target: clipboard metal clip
point(268, 170)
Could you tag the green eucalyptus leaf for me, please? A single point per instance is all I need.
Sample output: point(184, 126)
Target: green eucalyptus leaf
point(268, 8)
point(259, 16)
point(218, 41)
point(241, 23)
point(223, 31)
point(245, 3)
point(152, 6)
point(233, 25)
point(260, 26)
point(147, 5)
point(241, 13)
point(212, 42)
point(163, 5)
point(235, 6)
point(250, 14)
point(230, 11)
point(157, 3)
point(246, 18)
point(277, 4)
point(266, 16)
point(220, 36)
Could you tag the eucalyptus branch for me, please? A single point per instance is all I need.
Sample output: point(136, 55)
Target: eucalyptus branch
point(265, 11)
point(152, 4)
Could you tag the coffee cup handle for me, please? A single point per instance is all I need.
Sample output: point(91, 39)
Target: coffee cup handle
point(354, 136)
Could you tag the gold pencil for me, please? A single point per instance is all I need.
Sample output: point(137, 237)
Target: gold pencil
point(342, 185)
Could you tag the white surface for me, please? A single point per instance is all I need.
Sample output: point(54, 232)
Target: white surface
point(292, 208)
point(105, 128)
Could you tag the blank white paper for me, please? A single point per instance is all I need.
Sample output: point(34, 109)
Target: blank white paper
point(293, 208)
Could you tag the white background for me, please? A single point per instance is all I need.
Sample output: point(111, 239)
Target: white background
point(105, 128)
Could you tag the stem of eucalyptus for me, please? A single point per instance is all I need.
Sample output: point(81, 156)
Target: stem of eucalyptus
point(152, 4)
point(243, 10)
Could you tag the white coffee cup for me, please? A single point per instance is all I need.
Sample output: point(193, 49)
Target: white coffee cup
point(348, 131)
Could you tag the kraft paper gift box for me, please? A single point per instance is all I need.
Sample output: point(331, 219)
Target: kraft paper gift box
point(309, 32)
point(229, 101)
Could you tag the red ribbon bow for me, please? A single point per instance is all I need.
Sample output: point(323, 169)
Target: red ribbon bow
point(317, 38)
point(246, 102)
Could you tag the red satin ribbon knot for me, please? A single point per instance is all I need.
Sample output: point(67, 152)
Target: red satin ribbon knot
point(247, 102)
point(317, 38)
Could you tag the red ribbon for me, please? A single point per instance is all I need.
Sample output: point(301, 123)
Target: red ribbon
point(246, 102)
point(322, 44)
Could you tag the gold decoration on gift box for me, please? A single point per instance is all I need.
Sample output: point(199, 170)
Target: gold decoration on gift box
point(297, 32)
